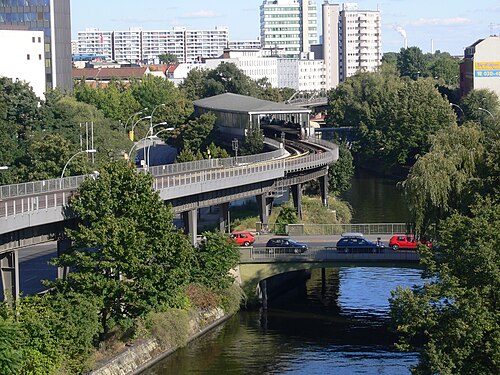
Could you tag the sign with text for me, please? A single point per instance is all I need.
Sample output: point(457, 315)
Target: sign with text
point(487, 69)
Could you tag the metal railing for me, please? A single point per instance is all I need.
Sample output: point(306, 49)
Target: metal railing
point(333, 229)
point(322, 254)
point(70, 183)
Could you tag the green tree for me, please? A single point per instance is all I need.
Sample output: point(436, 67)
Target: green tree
point(489, 102)
point(213, 261)
point(287, 215)
point(390, 58)
point(443, 67)
point(168, 58)
point(411, 63)
point(253, 142)
point(125, 251)
point(341, 172)
point(391, 117)
point(193, 85)
point(197, 134)
point(444, 179)
point(453, 320)
point(11, 352)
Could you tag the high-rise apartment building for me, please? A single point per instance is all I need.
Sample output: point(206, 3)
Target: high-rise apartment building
point(53, 18)
point(360, 47)
point(289, 25)
point(331, 15)
point(351, 41)
point(137, 45)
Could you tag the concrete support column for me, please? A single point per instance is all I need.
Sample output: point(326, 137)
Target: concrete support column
point(323, 187)
point(265, 208)
point(191, 224)
point(263, 289)
point(223, 218)
point(297, 199)
point(9, 268)
point(62, 246)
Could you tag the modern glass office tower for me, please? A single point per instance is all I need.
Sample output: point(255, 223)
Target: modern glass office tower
point(54, 19)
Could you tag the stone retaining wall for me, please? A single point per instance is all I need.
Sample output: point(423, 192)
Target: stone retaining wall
point(143, 354)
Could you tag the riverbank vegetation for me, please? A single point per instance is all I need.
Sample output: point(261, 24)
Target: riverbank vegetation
point(454, 193)
point(129, 269)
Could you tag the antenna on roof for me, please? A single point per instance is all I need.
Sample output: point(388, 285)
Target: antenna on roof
point(492, 25)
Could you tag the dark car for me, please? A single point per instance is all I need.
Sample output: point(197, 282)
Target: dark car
point(285, 245)
point(357, 244)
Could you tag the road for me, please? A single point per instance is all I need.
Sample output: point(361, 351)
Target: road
point(33, 260)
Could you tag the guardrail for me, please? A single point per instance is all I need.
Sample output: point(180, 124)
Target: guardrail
point(332, 229)
point(322, 254)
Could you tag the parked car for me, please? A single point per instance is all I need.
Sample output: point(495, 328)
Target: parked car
point(356, 243)
point(402, 241)
point(243, 238)
point(285, 245)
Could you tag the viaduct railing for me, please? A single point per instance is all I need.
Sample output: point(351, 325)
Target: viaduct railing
point(40, 202)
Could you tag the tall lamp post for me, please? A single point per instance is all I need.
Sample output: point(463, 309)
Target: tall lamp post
point(152, 114)
point(132, 116)
point(91, 151)
point(488, 112)
point(131, 133)
point(150, 136)
point(460, 108)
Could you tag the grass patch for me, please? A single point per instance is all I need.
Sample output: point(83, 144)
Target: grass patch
point(170, 328)
point(313, 212)
point(231, 299)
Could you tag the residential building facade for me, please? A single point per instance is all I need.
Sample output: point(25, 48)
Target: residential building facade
point(330, 50)
point(244, 44)
point(480, 68)
point(53, 18)
point(290, 25)
point(26, 60)
point(360, 45)
point(144, 46)
point(303, 74)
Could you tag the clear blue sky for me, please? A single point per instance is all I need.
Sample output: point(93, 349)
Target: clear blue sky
point(451, 24)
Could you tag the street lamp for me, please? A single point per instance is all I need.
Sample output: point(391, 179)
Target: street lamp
point(234, 144)
point(133, 115)
point(131, 133)
point(460, 108)
point(151, 136)
point(152, 114)
point(91, 151)
point(488, 112)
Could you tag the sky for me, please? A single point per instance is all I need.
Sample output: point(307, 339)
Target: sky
point(445, 25)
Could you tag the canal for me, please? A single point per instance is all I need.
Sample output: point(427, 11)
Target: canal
point(340, 327)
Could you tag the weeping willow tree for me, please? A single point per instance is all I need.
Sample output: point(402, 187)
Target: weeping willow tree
point(444, 180)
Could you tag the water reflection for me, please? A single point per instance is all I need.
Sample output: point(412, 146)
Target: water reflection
point(327, 328)
point(375, 199)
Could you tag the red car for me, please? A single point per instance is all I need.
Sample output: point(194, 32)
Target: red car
point(402, 241)
point(243, 238)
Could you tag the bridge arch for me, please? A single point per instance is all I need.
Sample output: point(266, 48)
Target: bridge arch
point(251, 274)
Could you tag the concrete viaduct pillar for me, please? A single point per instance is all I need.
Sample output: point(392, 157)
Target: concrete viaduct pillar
point(191, 224)
point(223, 219)
point(323, 188)
point(297, 199)
point(9, 268)
point(265, 208)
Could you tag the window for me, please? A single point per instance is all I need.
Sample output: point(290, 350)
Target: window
point(33, 39)
point(28, 56)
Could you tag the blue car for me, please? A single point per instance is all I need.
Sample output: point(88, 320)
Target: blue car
point(357, 244)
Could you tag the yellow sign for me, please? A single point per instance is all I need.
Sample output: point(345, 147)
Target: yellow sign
point(487, 65)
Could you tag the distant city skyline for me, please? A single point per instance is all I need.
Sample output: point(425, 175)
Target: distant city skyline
point(444, 25)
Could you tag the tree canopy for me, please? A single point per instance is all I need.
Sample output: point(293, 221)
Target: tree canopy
point(126, 250)
point(391, 117)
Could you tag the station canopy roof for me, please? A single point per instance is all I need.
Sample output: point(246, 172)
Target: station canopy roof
point(246, 104)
